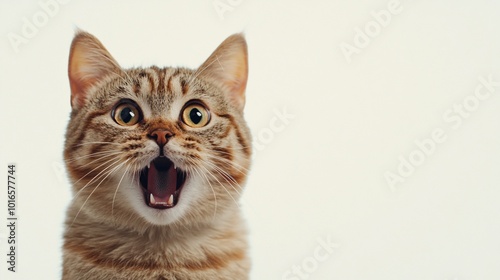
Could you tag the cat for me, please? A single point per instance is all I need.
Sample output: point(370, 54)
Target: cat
point(157, 158)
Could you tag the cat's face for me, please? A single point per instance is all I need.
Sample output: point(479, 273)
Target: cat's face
point(157, 145)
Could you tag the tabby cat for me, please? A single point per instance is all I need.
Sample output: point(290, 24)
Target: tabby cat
point(157, 158)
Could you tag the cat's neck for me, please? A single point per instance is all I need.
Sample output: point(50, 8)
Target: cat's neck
point(211, 247)
point(158, 236)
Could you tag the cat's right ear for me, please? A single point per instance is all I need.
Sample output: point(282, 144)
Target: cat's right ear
point(89, 63)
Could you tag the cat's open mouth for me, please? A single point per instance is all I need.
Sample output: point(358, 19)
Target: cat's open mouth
point(161, 183)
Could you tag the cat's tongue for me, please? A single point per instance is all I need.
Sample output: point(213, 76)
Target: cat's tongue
point(162, 179)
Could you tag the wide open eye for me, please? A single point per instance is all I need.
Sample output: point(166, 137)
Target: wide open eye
point(195, 114)
point(126, 113)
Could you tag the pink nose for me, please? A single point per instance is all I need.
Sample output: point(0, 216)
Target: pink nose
point(161, 136)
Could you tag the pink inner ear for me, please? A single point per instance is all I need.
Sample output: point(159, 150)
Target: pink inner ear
point(238, 93)
point(78, 91)
point(78, 84)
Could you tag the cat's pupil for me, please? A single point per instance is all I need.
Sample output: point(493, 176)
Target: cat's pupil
point(127, 115)
point(196, 116)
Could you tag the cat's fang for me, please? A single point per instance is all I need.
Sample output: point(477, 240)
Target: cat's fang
point(170, 201)
point(152, 199)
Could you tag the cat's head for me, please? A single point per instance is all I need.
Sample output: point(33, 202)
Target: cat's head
point(156, 145)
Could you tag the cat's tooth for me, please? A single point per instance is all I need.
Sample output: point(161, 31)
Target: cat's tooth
point(149, 164)
point(170, 200)
point(152, 199)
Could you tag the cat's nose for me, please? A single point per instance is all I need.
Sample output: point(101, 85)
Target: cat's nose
point(161, 136)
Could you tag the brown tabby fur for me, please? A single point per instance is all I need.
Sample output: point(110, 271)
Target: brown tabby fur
point(110, 231)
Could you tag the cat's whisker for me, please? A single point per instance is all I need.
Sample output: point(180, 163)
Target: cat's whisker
point(232, 182)
point(116, 191)
point(235, 148)
point(128, 77)
point(229, 163)
point(222, 185)
point(216, 167)
point(203, 175)
point(103, 179)
point(97, 142)
point(227, 177)
point(103, 153)
point(224, 173)
point(96, 177)
point(91, 193)
point(199, 71)
point(96, 161)
point(73, 158)
point(97, 167)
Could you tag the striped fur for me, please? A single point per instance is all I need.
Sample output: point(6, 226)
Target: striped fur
point(110, 231)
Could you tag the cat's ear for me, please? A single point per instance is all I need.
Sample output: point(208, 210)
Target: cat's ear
point(89, 63)
point(228, 67)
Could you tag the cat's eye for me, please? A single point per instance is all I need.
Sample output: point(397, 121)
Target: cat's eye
point(195, 114)
point(126, 113)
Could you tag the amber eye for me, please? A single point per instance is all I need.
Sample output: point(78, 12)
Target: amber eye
point(195, 114)
point(126, 113)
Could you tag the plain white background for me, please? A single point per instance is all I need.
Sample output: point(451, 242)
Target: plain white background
point(318, 175)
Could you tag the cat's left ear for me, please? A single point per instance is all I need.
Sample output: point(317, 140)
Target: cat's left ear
point(89, 63)
point(228, 67)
